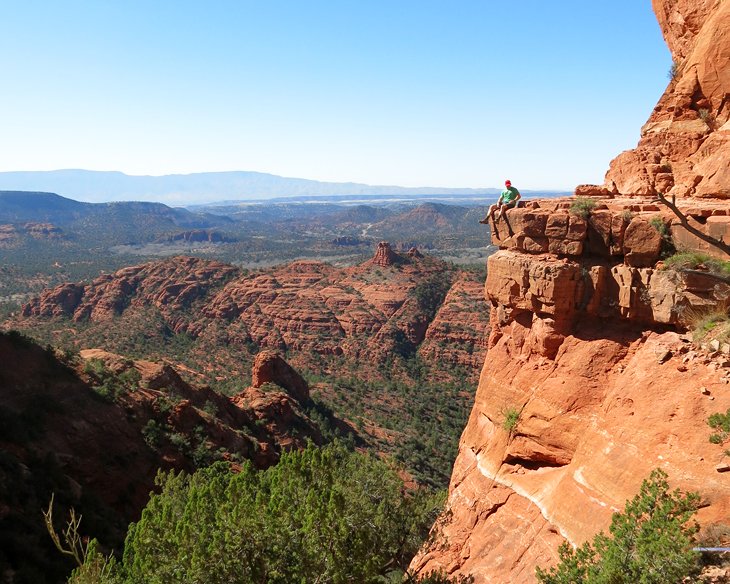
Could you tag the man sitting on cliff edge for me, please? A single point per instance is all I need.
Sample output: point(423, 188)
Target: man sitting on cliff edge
point(507, 200)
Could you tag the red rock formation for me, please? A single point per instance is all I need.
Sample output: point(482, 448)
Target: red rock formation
point(59, 301)
point(226, 423)
point(270, 367)
point(302, 307)
point(585, 340)
point(170, 286)
point(101, 455)
point(685, 144)
point(384, 255)
point(602, 402)
point(459, 331)
point(43, 231)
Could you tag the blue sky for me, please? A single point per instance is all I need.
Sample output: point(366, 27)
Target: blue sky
point(461, 93)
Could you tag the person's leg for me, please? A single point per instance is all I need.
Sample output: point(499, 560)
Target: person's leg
point(506, 206)
point(490, 214)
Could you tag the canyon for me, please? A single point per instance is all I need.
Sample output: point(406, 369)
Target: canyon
point(591, 377)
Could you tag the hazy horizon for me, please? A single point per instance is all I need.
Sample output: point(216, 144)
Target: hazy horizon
point(213, 187)
point(378, 93)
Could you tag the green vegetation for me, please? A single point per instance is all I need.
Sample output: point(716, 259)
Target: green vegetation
point(662, 228)
point(721, 423)
point(583, 207)
point(420, 412)
point(109, 384)
point(431, 292)
point(320, 515)
point(705, 324)
point(511, 417)
point(697, 261)
point(660, 225)
point(708, 323)
point(649, 543)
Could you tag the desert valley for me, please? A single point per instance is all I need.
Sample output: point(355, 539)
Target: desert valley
point(380, 388)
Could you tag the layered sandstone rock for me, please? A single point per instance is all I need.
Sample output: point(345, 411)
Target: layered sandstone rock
point(594, 421)
point(384, 255)
point(305, 307)
point(605, 394)
point(170, 286)
point(459, 331)
point(685, 144)
point(253, 424)
point(270, 367)
point(586, 344)
point(632, 229)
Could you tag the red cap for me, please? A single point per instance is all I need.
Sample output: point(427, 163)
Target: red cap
point(508, 182)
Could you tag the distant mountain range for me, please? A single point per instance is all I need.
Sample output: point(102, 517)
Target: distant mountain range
point(200, 188)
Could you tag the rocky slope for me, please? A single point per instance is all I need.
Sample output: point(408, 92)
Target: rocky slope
point(584, 347)
point(392, 302)
point(588, 349)
point(94, 432)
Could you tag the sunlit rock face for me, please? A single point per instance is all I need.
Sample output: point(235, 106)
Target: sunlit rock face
point(685, 145)
point(588, 383)
point(605, 393)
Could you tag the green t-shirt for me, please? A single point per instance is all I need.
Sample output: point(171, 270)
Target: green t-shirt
point(509, 194)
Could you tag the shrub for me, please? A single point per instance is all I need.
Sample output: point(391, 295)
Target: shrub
point(705, 323)
point(152, 434)
point(649, 543)
point(583, 207)
point(662, 228)
point(660, 225)
point(708, 117)
point(627, 215)
point(511, 417)
point(673, 71)
point(721, 423)
point(697, 260)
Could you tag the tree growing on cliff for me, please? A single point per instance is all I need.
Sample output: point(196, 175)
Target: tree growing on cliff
point(649, 543)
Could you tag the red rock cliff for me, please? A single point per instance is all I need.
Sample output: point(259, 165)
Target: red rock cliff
point(685, 144)
point(587, 349)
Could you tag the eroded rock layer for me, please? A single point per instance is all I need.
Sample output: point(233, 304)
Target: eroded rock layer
point(685, 145)
point(590, 381)
point(602, 400)
point(393, 302)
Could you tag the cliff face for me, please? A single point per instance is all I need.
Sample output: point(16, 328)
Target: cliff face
point(685, 144)
point(601, 403)
point(584, 349)
point(583, 345)
point(588, 351)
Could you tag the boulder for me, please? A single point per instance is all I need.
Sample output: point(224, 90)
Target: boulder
point(642, 244)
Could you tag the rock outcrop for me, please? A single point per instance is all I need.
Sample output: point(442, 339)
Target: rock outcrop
point(584, 349)
point(590, 381)
point(384, 255)
point(685, 144)
point(95, 431)
point(305, 307)
point(270, 367)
